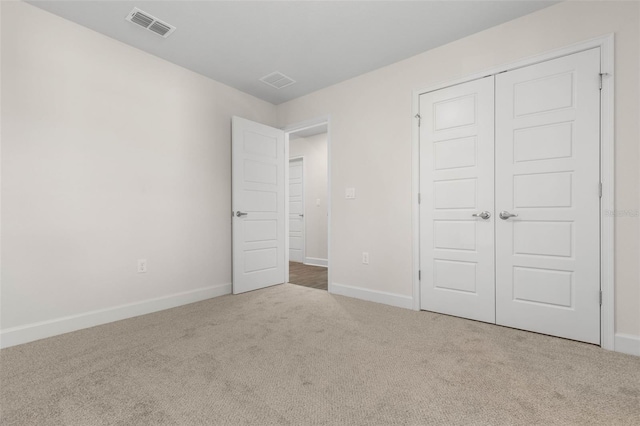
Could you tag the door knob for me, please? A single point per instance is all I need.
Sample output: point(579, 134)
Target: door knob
point(484, 215)
point(504, 215)
point(240, 214)
point(301, 215)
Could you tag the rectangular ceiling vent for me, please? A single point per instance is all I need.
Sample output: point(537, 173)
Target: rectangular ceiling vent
point(277, 80)
point(149, 22)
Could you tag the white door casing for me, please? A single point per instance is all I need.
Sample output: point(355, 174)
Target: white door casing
point(547, 172)
point(456, 182)
point(296, 210)
point(258, 203)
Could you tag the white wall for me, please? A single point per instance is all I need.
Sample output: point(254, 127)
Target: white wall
point(371, 124)
point(109, 155)
point(314, 151)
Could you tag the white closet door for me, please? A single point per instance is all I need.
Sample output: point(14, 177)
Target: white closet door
point(547, 172)
point(456, 183)
point(296, 210)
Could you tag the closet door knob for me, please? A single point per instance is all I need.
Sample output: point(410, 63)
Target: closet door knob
point(484, 215)
point(504, 215)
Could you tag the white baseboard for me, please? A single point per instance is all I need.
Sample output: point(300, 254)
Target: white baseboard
point(316, 261)
point(628, 344)
point(392, 299)
point(40, 330)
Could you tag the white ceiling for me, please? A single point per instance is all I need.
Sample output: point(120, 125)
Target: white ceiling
point(316, 43)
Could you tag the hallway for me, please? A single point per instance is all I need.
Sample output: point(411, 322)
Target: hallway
point(308, 276)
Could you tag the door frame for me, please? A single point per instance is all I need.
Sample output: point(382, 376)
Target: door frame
point(607, 170)
point(304, 223)
point(296, 127)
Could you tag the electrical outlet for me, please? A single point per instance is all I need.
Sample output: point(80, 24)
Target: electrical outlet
point(317, 202)
point(142, 266)
point(365, 257)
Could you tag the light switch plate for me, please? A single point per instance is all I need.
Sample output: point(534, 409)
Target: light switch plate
point(350, 193)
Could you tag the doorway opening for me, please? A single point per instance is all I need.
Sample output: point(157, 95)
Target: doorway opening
point(308, 204)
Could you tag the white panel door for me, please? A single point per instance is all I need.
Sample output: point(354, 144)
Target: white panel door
point(296, 210)
point(456, 185)
point(547, 173)
point(258, 203)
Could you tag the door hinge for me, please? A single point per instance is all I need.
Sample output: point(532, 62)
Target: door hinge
point(600, 189)
point(419, 275)
point(602, 75)
point(600, 297)
point(419, 119)
point(419, 198)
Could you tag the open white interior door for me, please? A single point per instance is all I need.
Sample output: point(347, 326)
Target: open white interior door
point(258, 203)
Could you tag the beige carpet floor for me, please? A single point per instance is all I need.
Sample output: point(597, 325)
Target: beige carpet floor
point(291, 355)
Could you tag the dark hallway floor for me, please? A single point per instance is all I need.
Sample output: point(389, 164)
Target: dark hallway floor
point(308, 276)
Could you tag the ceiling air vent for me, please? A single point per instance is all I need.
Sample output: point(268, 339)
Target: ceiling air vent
point(277, 80)
point(149, 22)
